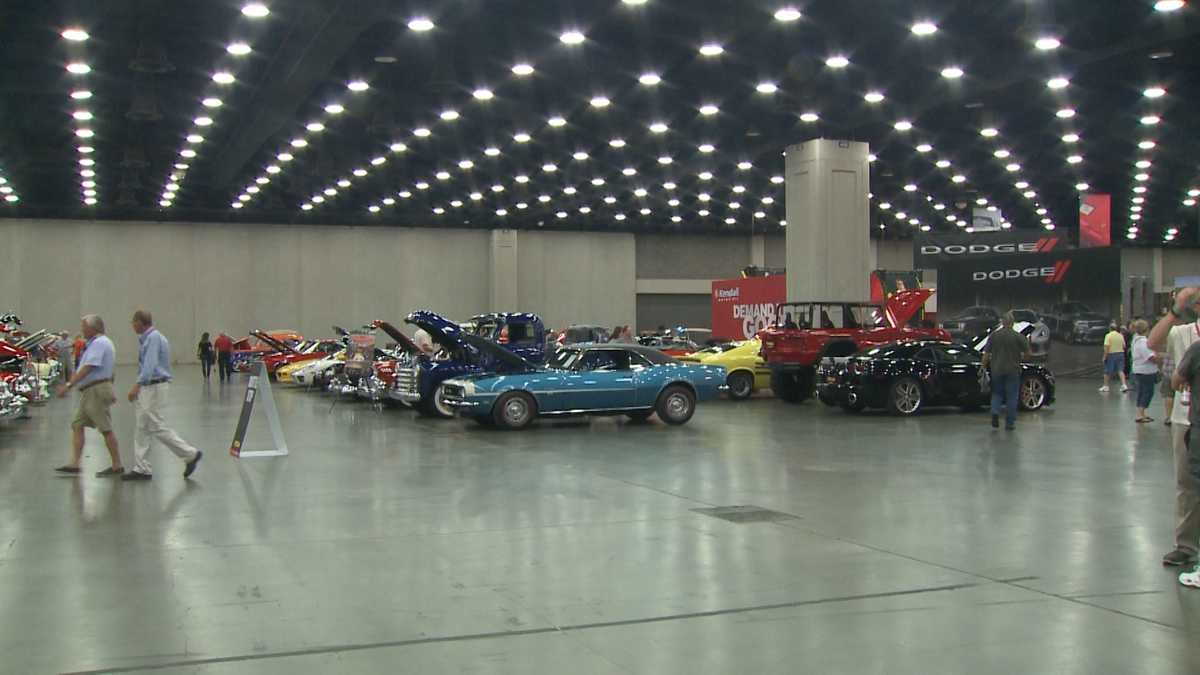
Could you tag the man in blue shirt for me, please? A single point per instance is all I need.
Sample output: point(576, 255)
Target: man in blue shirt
point(93, 378)
point(149, 397)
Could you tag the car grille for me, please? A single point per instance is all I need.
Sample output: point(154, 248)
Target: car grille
point(406, 381)
point(453, 391)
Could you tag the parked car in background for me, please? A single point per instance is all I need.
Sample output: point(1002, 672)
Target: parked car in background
point(908, 377)
point(253, 346)
point(419, 383)
point(972, 322)
point(576, 334)
point(745, 369)
point(1038, 332)
point(806, 333)
point(586, 379)
point(1075, 322)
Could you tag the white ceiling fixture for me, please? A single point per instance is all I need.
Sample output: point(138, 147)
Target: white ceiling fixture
point(522, 179)
point(952, 72)
point(787, 14)
point(903, 125)
point(659, 128)
point(78, 68)
point(557, 122)
point(483, 94)
point(422, 132)
point(522, 70)
point(255, 10)
point(398, 147)
point(579, 156)
point(223, 77)
point(1147, 145)
point(766, 87)
point(709, 109)
point(315, 127)
point(75, 34)
point(809, 117)
point(420, 24)
point(650, 79)
point(837, 61)
point(1046, 43)
point(744, 166)
point(711, 49)
point(629, 171)
point(335, 108)
point(617, 143)
point(1169, 5)
point(449, 115)
point(238, 49)
point(357, 85)
point(522, 137)
point(1070, 138)
point(1150, 120)
point(81, 95)
point(924, 28)
point(873, 97)
point(572, 37)
point(924, 147)
point(1154, 92)
point(989, 132)
point(707, 148)
point(1082, 187)
point(1065, 113)
point(942, 164)
point(600, 102)
point(1057, 83)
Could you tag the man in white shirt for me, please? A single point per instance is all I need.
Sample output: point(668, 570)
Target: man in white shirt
point(1174, 333)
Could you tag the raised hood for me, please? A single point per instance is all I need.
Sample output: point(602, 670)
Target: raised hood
point(401, 339)
point(441, 330)
point(903, 306)
point(275, 344)
point(499, 354)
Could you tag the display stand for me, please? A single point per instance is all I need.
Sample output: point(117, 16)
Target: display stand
point(259, 387)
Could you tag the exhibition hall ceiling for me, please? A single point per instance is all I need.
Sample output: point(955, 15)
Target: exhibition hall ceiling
point(609, 115)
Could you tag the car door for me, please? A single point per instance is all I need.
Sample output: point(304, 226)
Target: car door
point(603, 380)
point(927, 368)
point(958, 372)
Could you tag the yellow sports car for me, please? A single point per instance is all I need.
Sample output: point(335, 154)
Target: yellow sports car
point(285, 373)
point(745, 370)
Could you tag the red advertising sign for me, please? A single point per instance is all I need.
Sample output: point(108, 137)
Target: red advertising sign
point(1095, 221)
point(742, 307)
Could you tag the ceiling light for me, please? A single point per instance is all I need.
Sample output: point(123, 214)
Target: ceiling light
point(1021, 184)
point(707, 148)
point(1047, 42)
point(617, 143)
point(1058, 83)
point(203, 121)
point(766, 88)
point(398, 147)
point(87, 173)
point(585, 210)
point(1012, 168)
point(711, 49)
point(1074, 159)
point(255, 10)
point(545, 199)
point(420, 24)
point(1065, 113)
point(522, 137)
point(357, 85)
point(522, 69)
point(1082, 187)
point(837, 61)
point(958, 178)
point(952, 72)
point(422, 185)
point(84, 133)
point(1142, 177)
point(303, 207)
point(705, 175)
point(483, 94)
point(903, 125)
point(702, 213)
point(442, 175)
point(330, 192)
point(285, 157)
point(549, 168)
point(491, 151)
point(223, 77)
point(557, 122)
point(195, 138)
point(771, 200)
point(658, 128)
point(739, 189)
point(640, 192)
point(989, 132)
point(1168, 5)
point(650, 79)
point(1002, 154)
point(343, 183)
point(466, 164)
point(787, 14)
point(669, 186)
point(522, 179)
point(273, 169)
point(744, 166)
point(924, 147)
point(81, 95)
point(456, 203)
point(82, 115)
point(1147, 145)
point(910, 188)
point(90, 201)
point(299, 143)
point(809, 117)
point(1070, 138)
point(924, 28)
point(1154, 92)
point(246, 198)
point(1151, 120)
point(475, 196)
point(572, 37)
point(704, 197)
point(600, 102)
point(449, 115)
point(238, 49)
point(777, 180)
point(1189, 202)
point(75, 34)
point(665, 160)
point(78, 68)
point(709, 109)
point(597, 181)
point(335, 109)
point(873, 97)
point(422, 132)
point(377, 161)
point(629, 171)
point(1194, 192)
point(943, 164)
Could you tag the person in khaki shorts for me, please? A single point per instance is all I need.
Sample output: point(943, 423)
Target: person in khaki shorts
point(93, 378)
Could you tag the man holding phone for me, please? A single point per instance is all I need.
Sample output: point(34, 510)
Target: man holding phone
point(1175, 333)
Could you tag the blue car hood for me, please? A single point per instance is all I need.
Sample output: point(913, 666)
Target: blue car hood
point(441, 330)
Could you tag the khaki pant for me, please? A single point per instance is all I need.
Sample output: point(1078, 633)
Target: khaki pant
point(95, 407)
point(150, 426)
point(1187, 494)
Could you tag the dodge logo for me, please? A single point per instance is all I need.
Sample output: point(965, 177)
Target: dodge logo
point(1053, 274)
point(1040, 246)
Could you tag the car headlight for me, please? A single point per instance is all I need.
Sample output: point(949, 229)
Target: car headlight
point(468, 388)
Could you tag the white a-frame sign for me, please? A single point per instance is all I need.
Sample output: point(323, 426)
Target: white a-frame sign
point(259, 387)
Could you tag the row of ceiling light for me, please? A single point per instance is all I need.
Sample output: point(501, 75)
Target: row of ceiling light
point(82, 116)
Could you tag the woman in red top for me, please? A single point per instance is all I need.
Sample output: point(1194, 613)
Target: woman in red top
point(79, 345)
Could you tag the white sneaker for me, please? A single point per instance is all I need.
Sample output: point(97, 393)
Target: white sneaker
point(1190, 579)
point(1104, 389)
point(1124, 388)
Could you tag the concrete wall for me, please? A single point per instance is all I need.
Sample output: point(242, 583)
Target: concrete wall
point(575, 277)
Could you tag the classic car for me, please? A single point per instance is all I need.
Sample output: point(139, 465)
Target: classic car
point(1075, 322)
point(806, 333)
point(419, 382)
point(284, 354)
point(315, 373)
point(745, 369)
point(12, 405)
point(1038, 333)
point(907, 377)
point(972, 322)
point(586, 379)
point(253, 346)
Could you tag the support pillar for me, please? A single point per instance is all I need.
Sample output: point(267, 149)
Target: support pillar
point(503, 270)
point(828, 221)
point(758, 250)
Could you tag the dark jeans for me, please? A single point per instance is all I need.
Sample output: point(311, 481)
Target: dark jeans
point(1145, 388)
point(206, 364)
point(1004, 393)
point(225, 365)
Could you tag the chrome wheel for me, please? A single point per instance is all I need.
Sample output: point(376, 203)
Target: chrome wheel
point(906, 397)
point(677, 405)
point(741, 385)
point(1033, 393)
point(514, 410)
point(438, 405)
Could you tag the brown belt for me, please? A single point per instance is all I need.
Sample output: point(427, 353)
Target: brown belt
point(89, 385)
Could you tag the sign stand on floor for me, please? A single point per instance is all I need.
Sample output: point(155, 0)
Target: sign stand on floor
point(259, 387)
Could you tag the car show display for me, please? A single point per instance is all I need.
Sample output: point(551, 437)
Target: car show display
point(745, 369)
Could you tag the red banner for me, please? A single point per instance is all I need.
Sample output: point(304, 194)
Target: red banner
point(742, 307)
point(1095, 221)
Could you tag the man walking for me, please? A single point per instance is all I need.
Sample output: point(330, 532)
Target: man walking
point(1175, 332)
point(224, 347)
point(1003, 353)
point(63, 346)
point(93, 379)
point(1114, 358)
point(149, 397)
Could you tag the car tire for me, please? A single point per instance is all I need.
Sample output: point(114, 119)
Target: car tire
point(1033, 392)
point(784, 386)
point(514, 410)
point(905, 396)
point(639, 416)
point(676, 405)
point(741, 385)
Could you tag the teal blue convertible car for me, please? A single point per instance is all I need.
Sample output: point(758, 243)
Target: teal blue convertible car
point(585, 379)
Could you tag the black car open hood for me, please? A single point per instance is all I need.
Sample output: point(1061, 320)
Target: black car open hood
point(498, 353)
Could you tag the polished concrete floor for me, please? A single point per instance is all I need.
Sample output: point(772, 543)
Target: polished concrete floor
point(388, 543)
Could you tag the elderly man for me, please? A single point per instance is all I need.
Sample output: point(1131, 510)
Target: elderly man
point(93, 379)
point(1002, 355)
point(1174, 333)
point(149, 398)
